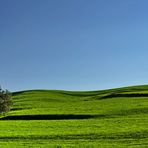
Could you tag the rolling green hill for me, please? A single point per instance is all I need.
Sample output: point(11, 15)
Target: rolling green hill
point(57, 118)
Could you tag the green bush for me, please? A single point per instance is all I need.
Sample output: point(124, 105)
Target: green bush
point(5, 101)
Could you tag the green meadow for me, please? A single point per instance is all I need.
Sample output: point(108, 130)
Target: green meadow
point(82, 119)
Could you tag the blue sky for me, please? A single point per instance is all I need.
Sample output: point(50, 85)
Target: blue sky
point(73, 44)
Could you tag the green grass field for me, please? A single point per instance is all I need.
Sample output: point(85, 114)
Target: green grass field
point(53, 118)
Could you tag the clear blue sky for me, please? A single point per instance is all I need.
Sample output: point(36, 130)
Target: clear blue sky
point(73, 44)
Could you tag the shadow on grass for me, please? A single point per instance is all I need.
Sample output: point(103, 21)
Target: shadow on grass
point(15, 109)
point(50, 117)
point(114, 95)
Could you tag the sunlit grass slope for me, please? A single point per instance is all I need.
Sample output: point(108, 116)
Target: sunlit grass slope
point(56, 118)
point(107, 102)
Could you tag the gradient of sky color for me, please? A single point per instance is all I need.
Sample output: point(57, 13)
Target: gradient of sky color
point(73, 44)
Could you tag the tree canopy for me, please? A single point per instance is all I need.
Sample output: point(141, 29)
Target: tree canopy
point(5, 101)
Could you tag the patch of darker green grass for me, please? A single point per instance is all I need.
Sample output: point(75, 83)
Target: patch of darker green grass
point(92, 136)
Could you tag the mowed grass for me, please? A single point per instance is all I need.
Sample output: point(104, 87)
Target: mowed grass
point(54, 118)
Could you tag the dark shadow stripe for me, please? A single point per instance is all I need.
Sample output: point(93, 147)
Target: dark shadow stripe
point(15, 109)
point(47, 117)
point(124, 95)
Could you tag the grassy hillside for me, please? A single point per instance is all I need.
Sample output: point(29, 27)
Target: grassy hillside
point(56, 118)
